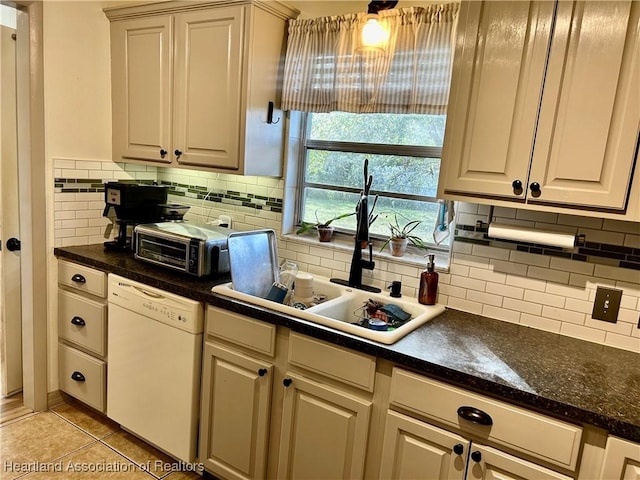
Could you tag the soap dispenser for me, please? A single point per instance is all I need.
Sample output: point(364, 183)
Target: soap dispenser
point(428, 284)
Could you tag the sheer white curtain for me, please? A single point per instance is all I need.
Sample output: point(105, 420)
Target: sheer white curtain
point(324, 73)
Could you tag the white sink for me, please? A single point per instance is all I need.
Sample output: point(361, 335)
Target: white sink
point(343, 307)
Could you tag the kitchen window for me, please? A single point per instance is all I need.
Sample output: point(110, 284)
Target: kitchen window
point(404, 152)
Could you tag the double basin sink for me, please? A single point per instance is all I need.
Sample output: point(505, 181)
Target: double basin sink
point(343, 309)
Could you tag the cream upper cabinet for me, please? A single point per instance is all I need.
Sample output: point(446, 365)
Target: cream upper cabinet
point(192, 85)
point(545, 105)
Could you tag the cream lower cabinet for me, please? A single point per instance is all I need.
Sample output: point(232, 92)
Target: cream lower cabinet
point(324, 432)
point(434, 430)
point(237, 378)
point(414, 449)
point(82, 333)
point(326, 411)
point(621, 461)
point(544, 106)
point(192, 82)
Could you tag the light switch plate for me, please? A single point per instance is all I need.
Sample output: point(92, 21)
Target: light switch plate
point(607, 304)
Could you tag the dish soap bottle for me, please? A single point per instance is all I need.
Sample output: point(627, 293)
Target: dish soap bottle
point(428, 284)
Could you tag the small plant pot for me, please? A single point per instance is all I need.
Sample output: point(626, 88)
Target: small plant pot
point(325, 234)
point(398, 246)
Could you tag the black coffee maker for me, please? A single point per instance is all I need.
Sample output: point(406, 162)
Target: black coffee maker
point(134, 203)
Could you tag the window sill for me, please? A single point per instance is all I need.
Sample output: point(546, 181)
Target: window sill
point(414, 257)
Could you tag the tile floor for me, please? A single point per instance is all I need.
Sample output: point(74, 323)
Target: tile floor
point(70, 441)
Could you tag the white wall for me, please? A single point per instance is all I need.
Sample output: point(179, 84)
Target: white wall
point(77, 97)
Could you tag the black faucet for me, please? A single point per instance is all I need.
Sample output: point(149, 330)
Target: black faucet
point(364, 219)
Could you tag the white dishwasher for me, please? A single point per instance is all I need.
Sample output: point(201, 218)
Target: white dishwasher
point(155, 352)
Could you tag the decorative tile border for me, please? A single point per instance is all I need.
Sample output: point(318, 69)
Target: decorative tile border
point(229, 197)
point(592, 252)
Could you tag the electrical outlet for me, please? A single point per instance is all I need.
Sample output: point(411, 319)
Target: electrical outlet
point(607, 304)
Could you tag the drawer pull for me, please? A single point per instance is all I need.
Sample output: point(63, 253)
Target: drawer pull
point(475, 415)
point(287, 381)
point(78, 321)
point(77, 278)
point(262, 372)
point(77, 376)
point(476, 456)
point(458, 449)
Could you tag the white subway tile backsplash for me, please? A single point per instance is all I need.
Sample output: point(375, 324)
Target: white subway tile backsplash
point(547, 274)
point(541, 323)
point(465, 305)
point(504, 290)
point(541, 291)
point(529, 258)
point(563, 315)
point(520, 306)
point(544, 298)
point(485, 298)
point(622, 341)
point(501, 313)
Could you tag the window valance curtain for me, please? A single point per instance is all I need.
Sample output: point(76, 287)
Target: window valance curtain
point(323, 71)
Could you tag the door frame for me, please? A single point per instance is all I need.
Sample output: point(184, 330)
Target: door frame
point(32, 195)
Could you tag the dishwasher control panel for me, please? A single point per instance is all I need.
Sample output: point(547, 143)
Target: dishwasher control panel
point(174, 310)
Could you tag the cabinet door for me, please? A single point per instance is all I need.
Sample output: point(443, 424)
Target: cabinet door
point(621, 460)
point(141, 89)
point(487, 463)
point(590, 112)
point(413, 449)
point(496, 86)
point(236, 393)
point(324, 432)
point(207, 106)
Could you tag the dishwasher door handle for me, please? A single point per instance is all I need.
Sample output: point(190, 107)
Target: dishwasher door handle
point(148, 293)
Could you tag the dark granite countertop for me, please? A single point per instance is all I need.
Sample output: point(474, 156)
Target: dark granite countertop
point(570, 379)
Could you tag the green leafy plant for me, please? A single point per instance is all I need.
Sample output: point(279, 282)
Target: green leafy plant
point(306, 226)
point(399, 232)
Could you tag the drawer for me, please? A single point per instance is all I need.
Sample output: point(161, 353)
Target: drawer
point(241, 330)
point(537, 435)
point(349, 367)
point(83, 279)
point(82, 321)
point(82, 376)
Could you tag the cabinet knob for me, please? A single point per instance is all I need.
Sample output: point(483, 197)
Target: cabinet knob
point(287, 381)
point(77, 376)
point(476, 456)
point(262, 372)
point(79, 321)
point(517, 187)
point(77, 278)
point(535, 189)
point(178, 153)
point(13, 244)
point(458, 449)
point(475, 415)
point(163, 153)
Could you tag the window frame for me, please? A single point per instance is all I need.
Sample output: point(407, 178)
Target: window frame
point(359, 147)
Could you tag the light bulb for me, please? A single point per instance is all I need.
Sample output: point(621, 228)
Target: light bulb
point(374, 34)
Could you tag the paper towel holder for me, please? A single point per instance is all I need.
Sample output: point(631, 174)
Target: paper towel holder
point(578, 241)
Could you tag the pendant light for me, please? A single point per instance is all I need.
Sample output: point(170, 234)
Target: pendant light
point(373, 34)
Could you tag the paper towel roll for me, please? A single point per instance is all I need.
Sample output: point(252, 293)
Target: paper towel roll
point(524, 234)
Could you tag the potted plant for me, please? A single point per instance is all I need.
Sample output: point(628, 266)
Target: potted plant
point(400, 237)
point(325, 229)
